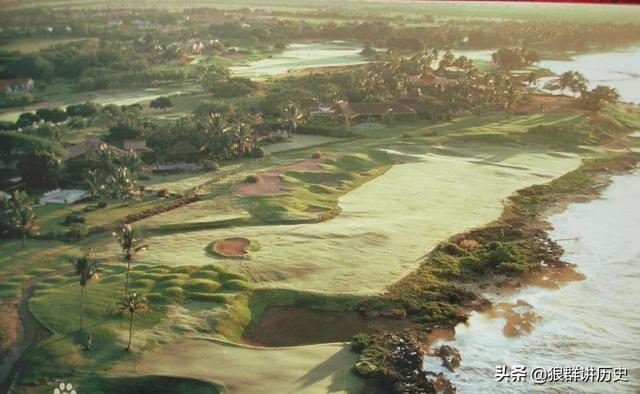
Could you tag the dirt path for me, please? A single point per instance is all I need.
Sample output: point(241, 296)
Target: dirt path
point(31, 332)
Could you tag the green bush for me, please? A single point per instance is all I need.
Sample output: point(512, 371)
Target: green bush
point(258, 152)
point(163, 193)
point(210, 165)
point(252, 179)
point(74, 218)
point(317, 155)
point(102, 204)
point(360, 342)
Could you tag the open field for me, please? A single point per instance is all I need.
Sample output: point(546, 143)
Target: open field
point(239, 369)
point(34, 45)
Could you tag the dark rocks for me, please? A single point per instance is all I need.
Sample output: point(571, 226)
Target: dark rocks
point(450, 357)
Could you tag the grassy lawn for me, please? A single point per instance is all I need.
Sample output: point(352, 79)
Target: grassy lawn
point(51, 217)
point(34, 45)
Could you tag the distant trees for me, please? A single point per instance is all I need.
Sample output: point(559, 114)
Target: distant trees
point(85, 269)
point(219, 82)
point(514, 58)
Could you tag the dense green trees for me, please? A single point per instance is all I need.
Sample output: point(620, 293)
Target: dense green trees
point(17, 216)
point(33, 156)
point(514, 58)
point(162, 102)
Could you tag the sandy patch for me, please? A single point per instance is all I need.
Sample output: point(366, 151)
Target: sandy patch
point(269, 182)
point(239, 369)
point(232, 246)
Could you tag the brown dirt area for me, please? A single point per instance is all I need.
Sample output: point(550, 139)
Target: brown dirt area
point(295, 326)
point(549, 103)
point(8, 324)
point(269, 182)
point(232, 246)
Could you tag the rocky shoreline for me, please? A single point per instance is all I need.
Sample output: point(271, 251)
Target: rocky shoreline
point(394, 360)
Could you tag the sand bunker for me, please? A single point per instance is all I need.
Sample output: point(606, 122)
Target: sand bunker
point(241, 369)
point(231, 246)
point(269, 182)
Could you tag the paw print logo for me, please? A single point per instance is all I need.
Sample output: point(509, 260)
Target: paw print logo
point(64, 388)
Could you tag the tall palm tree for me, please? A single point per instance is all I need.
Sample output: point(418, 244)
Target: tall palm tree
point(132, 303)
point(86, 269)
point(19, 216)
point(93, 182)
point(131, 245)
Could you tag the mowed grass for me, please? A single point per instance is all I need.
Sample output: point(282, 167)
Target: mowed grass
point(50, 217)
point(56, 303)
point(36, 44)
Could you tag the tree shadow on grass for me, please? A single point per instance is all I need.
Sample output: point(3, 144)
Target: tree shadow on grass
point(332, 367)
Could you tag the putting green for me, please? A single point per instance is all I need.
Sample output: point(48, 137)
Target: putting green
point(240, 369)
point(386, 225)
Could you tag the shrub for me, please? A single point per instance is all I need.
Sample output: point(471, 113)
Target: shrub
point(360, 342)
point(210, 165)
point(453, 249)
point(258, 152)
point(74, 218)
point(252, 179)
point(163, 193)
point(76, 233)
point(102, 204)
point(317, 155)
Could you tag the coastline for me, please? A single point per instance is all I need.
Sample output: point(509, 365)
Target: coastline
point(526, 211)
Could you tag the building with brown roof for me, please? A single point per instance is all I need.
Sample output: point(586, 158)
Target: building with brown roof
point(368, 112)
point(88, 150)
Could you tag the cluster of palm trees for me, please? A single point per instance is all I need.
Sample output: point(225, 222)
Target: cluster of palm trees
point(87, 268)
point(229, 136)
point(571, 80)
point(113, 176)
point(17, 216)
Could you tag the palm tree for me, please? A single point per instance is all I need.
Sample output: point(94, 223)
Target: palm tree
point(292, 117)
point(86, 269)
point(19, 215)
point(122, 183)
point(93, 183)
point(132, 303)
point(131, 245)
